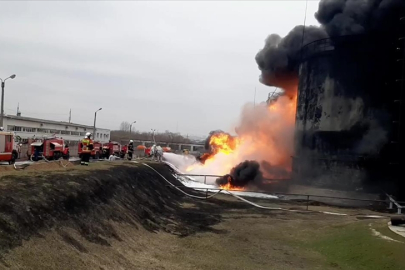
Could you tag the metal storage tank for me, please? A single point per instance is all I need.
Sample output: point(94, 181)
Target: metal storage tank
point(348, 122)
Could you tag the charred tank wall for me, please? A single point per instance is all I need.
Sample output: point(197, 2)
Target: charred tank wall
point(347, 113)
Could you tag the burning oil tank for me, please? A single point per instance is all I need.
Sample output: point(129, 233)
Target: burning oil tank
point(348, 122)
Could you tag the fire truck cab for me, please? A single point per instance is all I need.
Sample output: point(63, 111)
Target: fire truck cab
point(8, 147)
point(111, 148)
point(97, 151)
point(49, 148)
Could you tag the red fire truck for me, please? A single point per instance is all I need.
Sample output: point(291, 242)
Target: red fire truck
point(97, 151)
point(124, 151)
point(8, 147)
point(147, 151)
point(49, 148)
point(111, 148)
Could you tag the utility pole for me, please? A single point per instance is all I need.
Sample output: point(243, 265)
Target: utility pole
point(70, 115)
point(3, 82)
point(18, 109)
point(130, 129)
point(153, 135)
point(94, 126)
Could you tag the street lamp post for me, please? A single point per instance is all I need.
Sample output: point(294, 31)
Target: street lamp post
point(3, 82)
point(153, 135)
point(94, 126)
point(130, 128)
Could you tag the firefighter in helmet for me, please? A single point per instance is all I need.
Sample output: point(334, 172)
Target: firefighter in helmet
point(130, 149)
point(87, 147)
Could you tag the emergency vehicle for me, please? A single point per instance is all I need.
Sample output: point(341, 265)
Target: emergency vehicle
point(124, 151)
point(49, 148)
point(97, 151)
point(8, 147)
point(111, 148)
point(147, 151)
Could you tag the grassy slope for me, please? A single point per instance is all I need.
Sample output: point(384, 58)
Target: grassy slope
point(247, 238)
point(354, 246)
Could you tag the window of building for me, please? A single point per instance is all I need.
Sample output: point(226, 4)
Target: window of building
point(28, 129)
point(44, 130)
point(75, 133)
point(15, 128)
point(66, 132)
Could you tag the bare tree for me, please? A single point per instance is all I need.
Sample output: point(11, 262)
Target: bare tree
point(124, 126)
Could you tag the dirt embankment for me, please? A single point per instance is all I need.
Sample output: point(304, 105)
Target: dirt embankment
point(87, 201)
point(121, 215)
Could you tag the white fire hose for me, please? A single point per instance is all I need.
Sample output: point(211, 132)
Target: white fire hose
point(252, 203)
point(59, 161)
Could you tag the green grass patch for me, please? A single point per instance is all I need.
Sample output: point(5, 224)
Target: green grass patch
point(354, 246)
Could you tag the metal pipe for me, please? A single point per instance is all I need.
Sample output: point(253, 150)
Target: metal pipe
point(214, 175)
point(295, 194)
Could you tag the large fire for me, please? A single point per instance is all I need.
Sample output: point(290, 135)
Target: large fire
point(264, 134)
point(223, 143)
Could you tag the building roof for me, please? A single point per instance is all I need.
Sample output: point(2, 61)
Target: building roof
point(49, 121)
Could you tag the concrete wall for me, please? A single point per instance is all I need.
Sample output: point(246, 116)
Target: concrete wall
point(344, 121)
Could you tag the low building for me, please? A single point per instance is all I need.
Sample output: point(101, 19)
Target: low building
point(27, 127)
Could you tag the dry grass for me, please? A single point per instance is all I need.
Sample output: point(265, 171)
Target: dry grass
point(221, 233)
point(245, 239)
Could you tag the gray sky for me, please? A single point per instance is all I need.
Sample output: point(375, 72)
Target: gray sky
point(159, 63)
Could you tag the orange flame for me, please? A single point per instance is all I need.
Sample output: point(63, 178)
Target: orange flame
point(223, 143)
point(265, 133)
point(229, 186)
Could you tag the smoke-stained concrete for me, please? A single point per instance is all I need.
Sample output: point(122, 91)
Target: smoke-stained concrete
point(345, 110)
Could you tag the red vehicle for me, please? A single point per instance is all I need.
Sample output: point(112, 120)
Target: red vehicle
point(97, 151)
point(111, 148)
point(124, 150)
point(147, 151)
point(8, 147)
point(49, 148)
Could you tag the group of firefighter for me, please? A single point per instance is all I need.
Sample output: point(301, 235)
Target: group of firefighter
point(88, 146)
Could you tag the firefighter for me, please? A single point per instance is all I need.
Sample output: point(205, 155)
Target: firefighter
point(130, 149)
point(87, 147)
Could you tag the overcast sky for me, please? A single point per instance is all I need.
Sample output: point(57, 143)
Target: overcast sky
point(178, 66)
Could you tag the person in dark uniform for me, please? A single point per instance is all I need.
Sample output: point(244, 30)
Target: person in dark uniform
point(87, 147)
point(130, 149)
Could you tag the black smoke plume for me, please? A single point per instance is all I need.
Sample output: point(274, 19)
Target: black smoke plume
point(245, 174)
point(351, 17)
point(279, 58)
